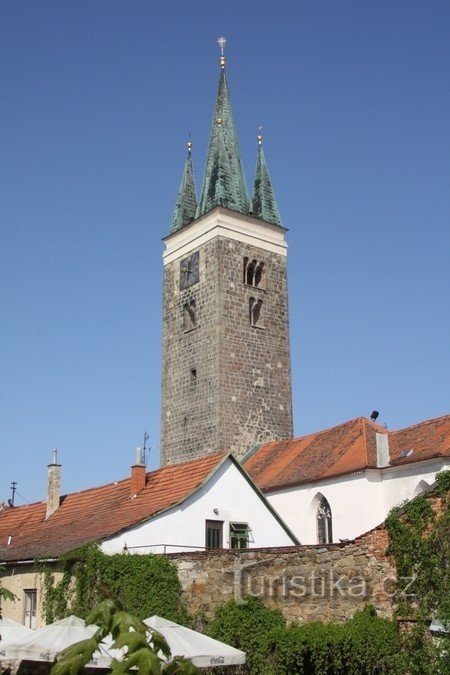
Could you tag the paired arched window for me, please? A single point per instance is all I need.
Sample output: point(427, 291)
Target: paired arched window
point(324, 522)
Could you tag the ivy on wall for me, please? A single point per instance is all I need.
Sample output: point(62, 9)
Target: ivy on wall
point(419, 541)
point(144, 584)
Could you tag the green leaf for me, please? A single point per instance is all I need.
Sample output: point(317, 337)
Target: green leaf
point(84, 649)
point(144, 659)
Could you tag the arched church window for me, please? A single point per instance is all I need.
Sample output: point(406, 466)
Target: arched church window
point(324, 522)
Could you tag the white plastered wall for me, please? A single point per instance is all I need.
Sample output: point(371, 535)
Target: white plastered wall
point(358, 501)
point(183, 527)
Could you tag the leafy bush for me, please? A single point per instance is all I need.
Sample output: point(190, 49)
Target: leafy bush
point(365, 644)
point(247, 626)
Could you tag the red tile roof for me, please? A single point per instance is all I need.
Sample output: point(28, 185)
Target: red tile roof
point(344, 449)
point(427, 440)
point(98, 513)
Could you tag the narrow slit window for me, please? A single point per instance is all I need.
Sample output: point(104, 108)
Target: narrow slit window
point(255, 307)
point(189, 315)
point(193, 375)
point(251, 272)
point(258, 274)
point(245, 270)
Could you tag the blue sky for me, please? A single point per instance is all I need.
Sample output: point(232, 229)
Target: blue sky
point(97, 100)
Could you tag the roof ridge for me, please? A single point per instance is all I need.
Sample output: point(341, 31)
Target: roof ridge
point(420, 424)
point(322, 431)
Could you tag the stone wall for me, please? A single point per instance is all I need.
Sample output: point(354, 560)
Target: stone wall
point(241, 392)
point(308, 583)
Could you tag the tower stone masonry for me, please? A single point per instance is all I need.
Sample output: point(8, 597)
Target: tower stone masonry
point(226, 381)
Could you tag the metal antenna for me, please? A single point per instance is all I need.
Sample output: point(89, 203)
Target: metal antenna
point(13, 489)
point(144, 447)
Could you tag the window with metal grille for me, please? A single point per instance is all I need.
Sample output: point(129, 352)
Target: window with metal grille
point(214, 534)
point(324, 522)
point(30, 603)
point(239, 535)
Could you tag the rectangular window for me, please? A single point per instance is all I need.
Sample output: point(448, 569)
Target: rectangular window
point(193, 375)
point(30, 603)
point(239, 535)
point(214, 534)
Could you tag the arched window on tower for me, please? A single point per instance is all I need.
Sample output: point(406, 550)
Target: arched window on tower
point(253, 273)
point(324, 522)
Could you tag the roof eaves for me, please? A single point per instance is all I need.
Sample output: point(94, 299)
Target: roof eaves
point(282, 486)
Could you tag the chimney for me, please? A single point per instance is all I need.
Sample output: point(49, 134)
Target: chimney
point(383, 457)
point(54, 485)
point(138, 473)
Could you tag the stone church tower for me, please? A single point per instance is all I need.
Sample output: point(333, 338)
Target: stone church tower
point(226, 382)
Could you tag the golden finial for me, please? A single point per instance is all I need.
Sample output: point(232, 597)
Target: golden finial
point(259, 137)
point(222, 42)
point(189, 146)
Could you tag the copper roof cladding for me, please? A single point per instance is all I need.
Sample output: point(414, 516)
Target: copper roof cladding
point(98, 513)
point(344, 449)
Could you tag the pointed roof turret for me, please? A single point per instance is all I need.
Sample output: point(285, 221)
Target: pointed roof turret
point(264, 204)
point(186, 204)
point(224, 183)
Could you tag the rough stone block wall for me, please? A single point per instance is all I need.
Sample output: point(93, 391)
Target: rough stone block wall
point(242, 391)
point(308, 583)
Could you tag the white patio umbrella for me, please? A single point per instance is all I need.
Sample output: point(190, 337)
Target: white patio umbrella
point(43, 644)
point(10, 631)
point(204, 652)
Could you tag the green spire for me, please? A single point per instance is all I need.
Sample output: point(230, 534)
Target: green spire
point(186, 204)
point(224, 183)
point(264, 205)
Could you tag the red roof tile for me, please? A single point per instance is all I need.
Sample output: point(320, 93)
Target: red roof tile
point(427, 440)
point(98, 513)
point(344, 449)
